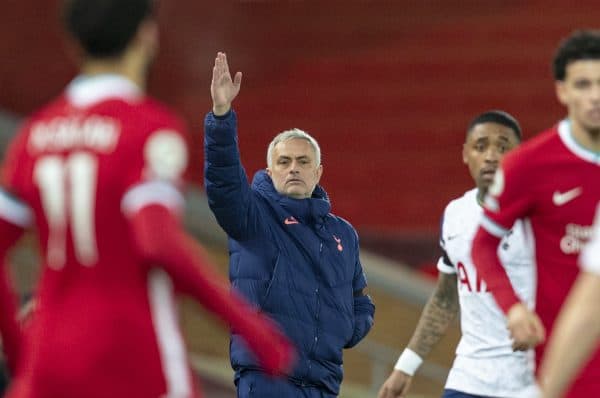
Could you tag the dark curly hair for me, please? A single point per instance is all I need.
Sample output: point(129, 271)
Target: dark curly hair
point(580, 45)
point(104, 28)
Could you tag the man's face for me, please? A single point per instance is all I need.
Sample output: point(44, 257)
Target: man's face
point(485, 146)
point(580, 93)
point(293, 168)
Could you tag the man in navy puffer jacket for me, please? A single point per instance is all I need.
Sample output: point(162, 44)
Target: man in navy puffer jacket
point(289, 255)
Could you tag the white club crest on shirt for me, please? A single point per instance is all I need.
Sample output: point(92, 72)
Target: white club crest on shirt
point(166, 155)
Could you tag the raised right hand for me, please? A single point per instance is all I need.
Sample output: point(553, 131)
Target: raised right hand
point(222, 89)
point(396, 386)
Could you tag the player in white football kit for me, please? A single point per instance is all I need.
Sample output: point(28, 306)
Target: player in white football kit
point(485, 364)
point(577, 329)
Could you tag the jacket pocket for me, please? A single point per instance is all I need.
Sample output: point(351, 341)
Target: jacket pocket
point(272, 281)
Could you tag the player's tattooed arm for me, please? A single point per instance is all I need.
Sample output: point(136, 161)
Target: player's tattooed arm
point(440, 310)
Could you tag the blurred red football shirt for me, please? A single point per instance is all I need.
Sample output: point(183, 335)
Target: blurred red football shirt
point(552, 183)
point(77, 168)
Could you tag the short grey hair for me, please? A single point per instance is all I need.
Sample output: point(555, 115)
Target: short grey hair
point(289, 135)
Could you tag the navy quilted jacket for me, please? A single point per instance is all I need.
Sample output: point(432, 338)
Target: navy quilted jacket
point(292, 258)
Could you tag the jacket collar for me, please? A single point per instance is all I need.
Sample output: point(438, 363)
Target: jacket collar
point(310, 210)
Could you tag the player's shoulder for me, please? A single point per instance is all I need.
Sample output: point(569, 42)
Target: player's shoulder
point(149, 123)
point(56, 107)
point(461, 205)
point(46, 112)
point(16, 152)
point(141, 117)
point(459, 212)
point(160, 113)
point(165, 146)
point(535, 149)
point(344, 224)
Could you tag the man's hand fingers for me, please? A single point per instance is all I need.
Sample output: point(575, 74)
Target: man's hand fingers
point(382, 393)
point(528, 337)
point(520, 346)
point(224, 63)
point(525, 327)
point(214, 75)
point(237, 80)
point(396, 386)
point(386, 392)
point(521, 339)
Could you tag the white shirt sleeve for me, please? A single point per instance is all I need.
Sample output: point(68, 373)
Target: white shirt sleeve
point(444, 266)
point(15, 211)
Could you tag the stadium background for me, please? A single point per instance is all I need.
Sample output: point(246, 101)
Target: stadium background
point(387, 87)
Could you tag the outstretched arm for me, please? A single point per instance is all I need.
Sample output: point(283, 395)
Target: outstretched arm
point(161, 241)
point(441, 308)
point(576, 333)
point(229, 194)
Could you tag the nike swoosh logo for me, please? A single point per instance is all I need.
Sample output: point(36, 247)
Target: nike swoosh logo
point(290, 221)
point(560, 198)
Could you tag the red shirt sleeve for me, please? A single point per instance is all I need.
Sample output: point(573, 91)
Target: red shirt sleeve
point(161, 241)
point(510, 197)
point(507, 200)
point(487, 262)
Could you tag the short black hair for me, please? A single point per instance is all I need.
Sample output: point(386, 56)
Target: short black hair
point(497, 116)
point(104, 28)
point(580, 45)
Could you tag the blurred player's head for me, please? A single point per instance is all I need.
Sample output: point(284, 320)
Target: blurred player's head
point(294, 163)
point(489, 136)
point(577, 74)
point(108, 29)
